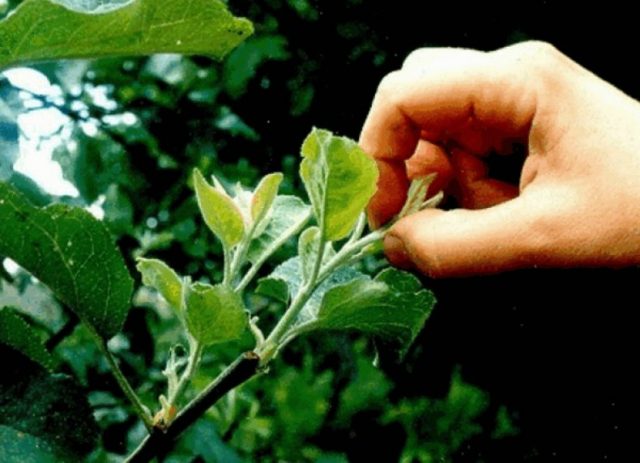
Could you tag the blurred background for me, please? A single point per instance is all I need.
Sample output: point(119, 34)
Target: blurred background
point(528, 366)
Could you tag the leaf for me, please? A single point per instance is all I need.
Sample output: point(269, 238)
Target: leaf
point(416, 196)
point(340, 180)
point(215, 314)
point(264, 195)
point(286, 280)
point(72, 253)
point(219, 211)
point(61, 29)
point(43, 417)
point(393, 306)
point(16, 333)
point(289, 215)
point(18, 447)
point(160, 276)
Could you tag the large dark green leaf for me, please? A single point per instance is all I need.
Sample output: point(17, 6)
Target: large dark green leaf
point(71, 252)
point(43, 417)
point(16, 333)
point(58, 29)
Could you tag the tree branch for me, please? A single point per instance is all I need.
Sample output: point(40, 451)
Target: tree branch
point(161, 440)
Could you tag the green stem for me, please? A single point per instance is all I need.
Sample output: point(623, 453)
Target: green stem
point(359, 228)
point(280, 333)
point(272, 344)
point(195, 355)
point(348, 251)
point(226, 278)
point(128, 391)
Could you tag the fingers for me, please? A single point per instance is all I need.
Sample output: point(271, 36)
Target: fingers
point(445, 95)
point(475, 189)
point(390, 194)
point(394, 178)
point(449, 97)
point(466, 242)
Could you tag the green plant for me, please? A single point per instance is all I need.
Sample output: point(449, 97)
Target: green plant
point(73, 254)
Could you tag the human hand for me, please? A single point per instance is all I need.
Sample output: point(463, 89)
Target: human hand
point(578, 202)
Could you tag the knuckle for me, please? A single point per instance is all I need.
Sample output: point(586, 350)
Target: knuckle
point(389, 84)
point(536, 60)
point(538, 49)
point(415, 58)
point(540, 57)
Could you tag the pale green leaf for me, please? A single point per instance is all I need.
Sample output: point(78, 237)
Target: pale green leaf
point(285, 282)
point(61, 29)
point(288, 217)
point(340, 180)
point(263, 197)
point(215, 314)
point(394, 306)
point(70, 251)
point(417, 196)
point(219, 211)
point(160, 276)
point(16, 333)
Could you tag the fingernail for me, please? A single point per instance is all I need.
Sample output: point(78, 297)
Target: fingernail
point(396, 252)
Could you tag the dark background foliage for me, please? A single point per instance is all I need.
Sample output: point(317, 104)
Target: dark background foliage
point(529, 366)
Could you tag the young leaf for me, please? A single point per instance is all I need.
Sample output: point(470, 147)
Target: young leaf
point(416, 195)
point(160, 276)
point(62, 29)
point(43, 417)
point(72, 253)
point(263, 197)
point(289, 215)
point(393, 306)
point(285, 282)
point(16, 333)
point(219, 211)
point(215, 314)
point(340, 180)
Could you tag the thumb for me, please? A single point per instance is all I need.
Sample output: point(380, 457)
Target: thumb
point(465, 242)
